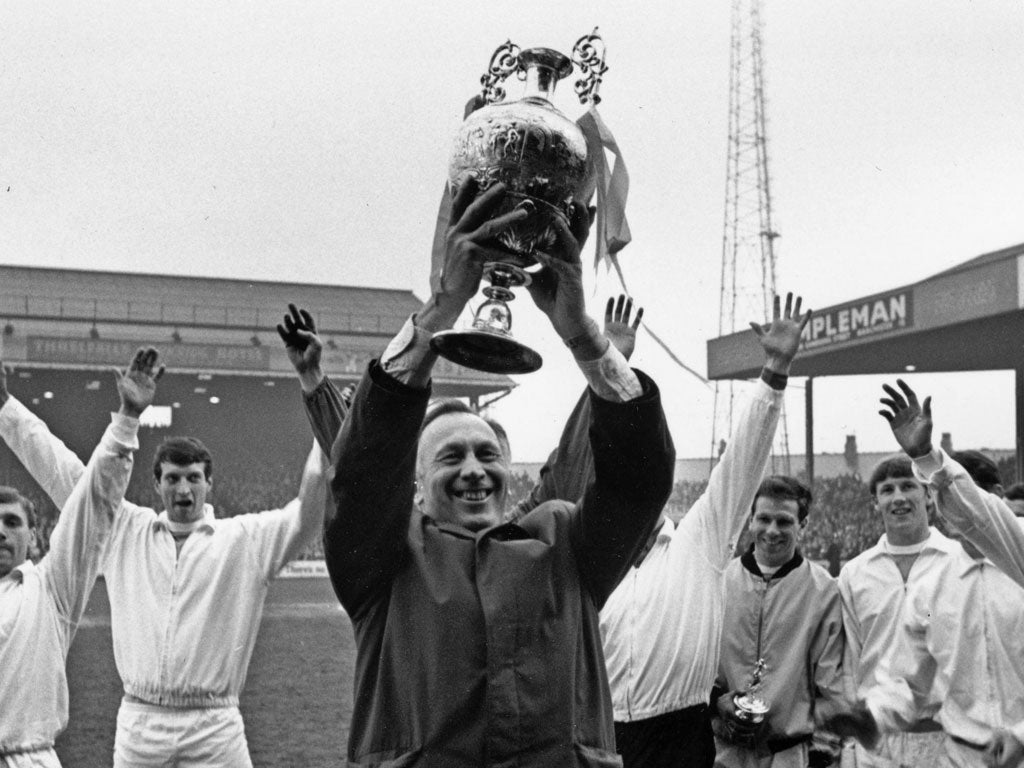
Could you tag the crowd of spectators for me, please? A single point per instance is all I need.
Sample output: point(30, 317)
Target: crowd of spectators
point(842, 524)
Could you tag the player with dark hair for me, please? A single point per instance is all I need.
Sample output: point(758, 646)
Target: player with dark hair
point(782, 613)
point(186, 588)
point(959, 654)
point(874, 586)
point(42, 604)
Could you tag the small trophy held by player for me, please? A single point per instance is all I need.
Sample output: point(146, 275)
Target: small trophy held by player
point(751, 707)
point(541, 156)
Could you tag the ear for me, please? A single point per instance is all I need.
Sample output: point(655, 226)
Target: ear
point(997, 490)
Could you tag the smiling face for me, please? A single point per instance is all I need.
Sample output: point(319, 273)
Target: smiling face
point(16, 536)
point(903, 504)
point(462, 472)
point(183, 489)
point(775, 527)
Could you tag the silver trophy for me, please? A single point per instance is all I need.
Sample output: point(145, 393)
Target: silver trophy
point(541, 156)
point(751, 707)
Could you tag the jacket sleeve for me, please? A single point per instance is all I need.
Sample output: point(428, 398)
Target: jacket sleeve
point(634, 461)
point(79, 539)
point(718, 517)
point(827, 654)
point(326, 410)
point(853, 640)
point(983, 518)
point(374, 461)
point(280, 536)
point(569, 467)
point(51, 463)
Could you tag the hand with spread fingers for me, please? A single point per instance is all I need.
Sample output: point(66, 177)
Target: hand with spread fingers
point(468, 247)
point(303, 345)
point(617, 328)
point(557, 288)
point(911, 423)
point(780, 338)
point(136, 386)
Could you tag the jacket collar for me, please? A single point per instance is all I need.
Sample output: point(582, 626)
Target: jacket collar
point(18, 574)
point(205, 522)
point(748, 562)
point(936, 542)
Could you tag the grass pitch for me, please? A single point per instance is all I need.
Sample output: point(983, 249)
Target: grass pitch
point(297, 700)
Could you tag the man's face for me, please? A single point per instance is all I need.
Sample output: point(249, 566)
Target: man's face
point(15, 536)
point(903, 504)
point(463, 473)
point(775, 527)
point(183, 489)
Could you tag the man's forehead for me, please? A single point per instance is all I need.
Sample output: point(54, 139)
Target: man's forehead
point(772, 505)
point(899, 479)
point(457, 427)
point(171, 467)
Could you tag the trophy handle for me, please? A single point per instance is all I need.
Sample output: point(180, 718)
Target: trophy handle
point(588, 54)
point(504, 61)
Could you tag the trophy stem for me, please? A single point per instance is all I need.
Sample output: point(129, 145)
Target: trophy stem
point(488, 345)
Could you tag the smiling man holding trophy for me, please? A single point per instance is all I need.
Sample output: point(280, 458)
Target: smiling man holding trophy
point(780, 667)
point(478, 642)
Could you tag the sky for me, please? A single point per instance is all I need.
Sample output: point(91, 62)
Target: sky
point(309, 141)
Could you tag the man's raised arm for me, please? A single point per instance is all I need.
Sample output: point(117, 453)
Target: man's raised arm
point(374, 456)
point(982, 517)
point(722, 510)
point(51, 463)
point(78, 540)
point(633, 453)
point(571, 465)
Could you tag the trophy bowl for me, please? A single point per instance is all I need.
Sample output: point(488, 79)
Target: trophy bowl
point(751, 708)
point(533, 149)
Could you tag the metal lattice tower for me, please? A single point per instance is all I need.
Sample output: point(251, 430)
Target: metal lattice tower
point(748, 236)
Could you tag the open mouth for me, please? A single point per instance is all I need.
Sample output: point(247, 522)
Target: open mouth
point(473, 494)
point(901, 511)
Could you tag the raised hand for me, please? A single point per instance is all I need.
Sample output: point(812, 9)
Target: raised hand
point(911, 423)
point(780, 338)
point(303, 345)
point(468, 248)
point(557, 288)
point(617, 328)
point(136, 386)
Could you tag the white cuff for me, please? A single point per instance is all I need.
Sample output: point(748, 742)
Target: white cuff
point(611, 377)
point(125, 429)
point(926, 466)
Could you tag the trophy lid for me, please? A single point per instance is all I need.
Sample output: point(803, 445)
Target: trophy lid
point(558, 63)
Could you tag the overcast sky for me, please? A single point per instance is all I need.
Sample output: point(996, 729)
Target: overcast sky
point(309, 141)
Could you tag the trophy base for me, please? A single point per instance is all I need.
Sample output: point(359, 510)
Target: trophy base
point(486, 351)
